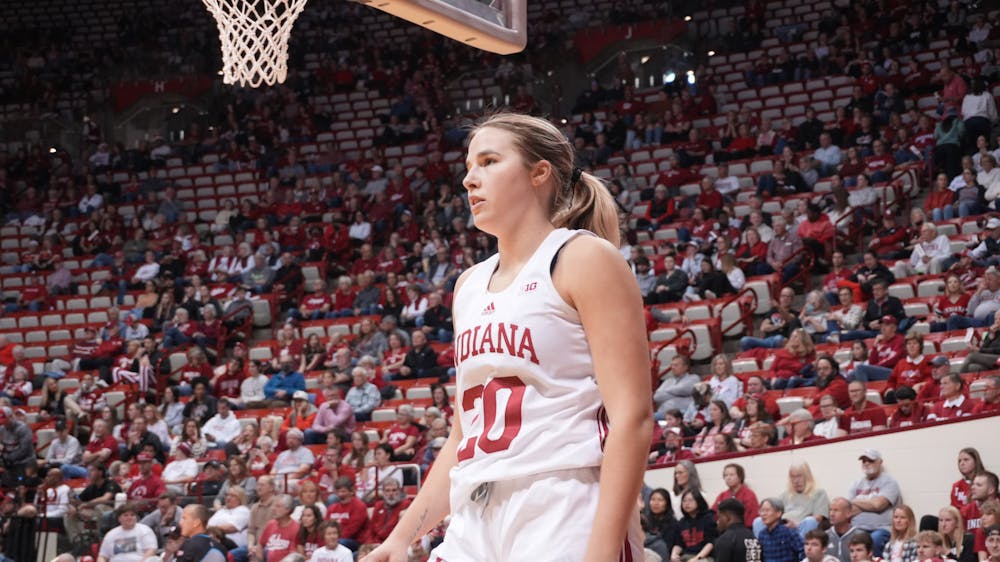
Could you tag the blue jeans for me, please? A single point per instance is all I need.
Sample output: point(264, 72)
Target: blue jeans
point(73, 471)
point(879, 538)
point(866, 373)
point(771, 342)
point(956, 322)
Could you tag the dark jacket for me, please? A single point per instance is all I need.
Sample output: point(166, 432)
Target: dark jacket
point(892, 306)
point(736, 544)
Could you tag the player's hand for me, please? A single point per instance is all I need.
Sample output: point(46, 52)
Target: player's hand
point(387, 553)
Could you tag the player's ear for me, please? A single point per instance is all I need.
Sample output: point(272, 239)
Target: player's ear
point(541, 171)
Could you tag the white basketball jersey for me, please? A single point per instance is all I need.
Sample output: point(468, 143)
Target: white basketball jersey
point(527, 397)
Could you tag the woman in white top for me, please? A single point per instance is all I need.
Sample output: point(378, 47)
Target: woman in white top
point(979, 111)
point(361, 229)
point(413, 312)
point(233, 517)
point(725, 386)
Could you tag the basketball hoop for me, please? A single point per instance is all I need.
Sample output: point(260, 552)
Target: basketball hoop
point(254, 36)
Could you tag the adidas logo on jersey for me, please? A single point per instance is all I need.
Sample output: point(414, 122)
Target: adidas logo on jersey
point(490, 309)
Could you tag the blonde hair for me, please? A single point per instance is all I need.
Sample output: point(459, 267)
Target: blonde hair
point(581, 204)
point(954, 540)
point(806, 471)
point(911, 527)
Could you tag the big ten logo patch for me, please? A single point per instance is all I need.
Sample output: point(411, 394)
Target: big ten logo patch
point(529, 287)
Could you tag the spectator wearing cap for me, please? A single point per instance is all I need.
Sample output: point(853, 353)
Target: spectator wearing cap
point(931, 391)
point(982, 306)
point(889, 240)
point(302, 415)
point(992, 542)
point(887, 350)
point(672, 448)
point(953, 403)
point(284, 383)
point(862, 416)
point(93, 502)
point(986, 353)
point(296, 460)
point(909, 411)
point(65, 452)
point(147, 486)
point(873, 497)
point(988, 250)
point(181, 470)
point(130, 540)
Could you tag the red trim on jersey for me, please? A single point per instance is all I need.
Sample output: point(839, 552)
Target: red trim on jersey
point(626, 555)
point(602, 425)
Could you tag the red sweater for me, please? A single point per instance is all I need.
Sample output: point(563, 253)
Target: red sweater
point(909, 372)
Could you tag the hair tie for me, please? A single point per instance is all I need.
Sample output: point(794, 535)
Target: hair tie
point(575, 177)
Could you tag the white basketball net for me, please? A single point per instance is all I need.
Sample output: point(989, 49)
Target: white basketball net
point(254, 36)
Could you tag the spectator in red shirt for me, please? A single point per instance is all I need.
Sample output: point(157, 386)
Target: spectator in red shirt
point(970, 463)
point(913, 370)
point(880, 165)
point(280, 536)
point(983, 489)
point(953, 403)
point(146, 487)
point(404, 436)
point(816, 231)
point(709, 198)
point(863, 416)
point(909, 411)
point(734, 476)
point(800, 424)
point(886, 351)
point(386, 512)
point(991, 396)
point(350, 512)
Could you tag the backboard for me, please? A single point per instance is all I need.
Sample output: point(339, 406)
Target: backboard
point(498, 26)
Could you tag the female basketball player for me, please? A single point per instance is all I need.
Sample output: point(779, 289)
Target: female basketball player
point(553, 409)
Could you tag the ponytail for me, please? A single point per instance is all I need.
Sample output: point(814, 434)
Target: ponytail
point(588, 205)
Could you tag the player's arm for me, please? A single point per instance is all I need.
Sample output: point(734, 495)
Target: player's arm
point(432, 503)
point(610, 308)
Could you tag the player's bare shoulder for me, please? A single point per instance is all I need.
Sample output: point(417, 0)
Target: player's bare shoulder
point(465, 275)
point(586, 261)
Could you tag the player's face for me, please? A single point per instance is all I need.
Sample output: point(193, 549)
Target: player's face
point(814, 550)
point(497, 179)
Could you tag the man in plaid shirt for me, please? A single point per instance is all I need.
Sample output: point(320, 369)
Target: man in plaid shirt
point(779, 542)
